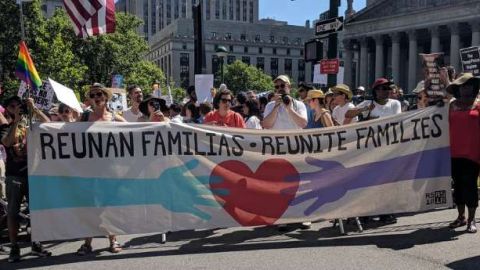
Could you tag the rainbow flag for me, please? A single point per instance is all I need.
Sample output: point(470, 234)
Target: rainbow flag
point(26, 70)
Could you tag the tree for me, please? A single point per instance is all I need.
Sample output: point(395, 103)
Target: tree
point(143, 74)
point(239, 76)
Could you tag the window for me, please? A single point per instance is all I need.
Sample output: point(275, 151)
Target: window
point(285, 40)
point(272, 39)
point(238, 9)
point(230, 48)
point(154, 17)
point(214, 34)
point(274, 67)
point(244, 10)
point(176, 9)
point(243, 37)
point(224, 9)
point(245, 49)
point(257, 38)
point(230, 59)
point(184, 8)
point(160, 15)
point(298, 41)
point(301, 70)
point(261, 63)
point(184, 46)
point(169, 12)
point(208, 9)
point(184, 70)
point(274, 51)
point(288, 51)
point(288, 67)
point(301, 52)
point(228, 36)
point(246, 60)
point(230, 11)
point(217, 9)
point(260, 50)
point(250, 12)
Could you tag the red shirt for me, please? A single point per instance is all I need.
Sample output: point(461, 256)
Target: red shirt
point(232, 119)
point(465, 134)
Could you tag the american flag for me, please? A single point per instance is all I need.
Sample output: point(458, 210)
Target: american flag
point(91, 17)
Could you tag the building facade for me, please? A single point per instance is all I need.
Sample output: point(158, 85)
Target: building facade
point(386, 38)
point(49, 6)
point(273, 46)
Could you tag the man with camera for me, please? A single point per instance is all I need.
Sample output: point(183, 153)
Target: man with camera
point(14, 137)
point(284, 112)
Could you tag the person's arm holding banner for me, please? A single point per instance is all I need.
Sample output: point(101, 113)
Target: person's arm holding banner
point(352, 113)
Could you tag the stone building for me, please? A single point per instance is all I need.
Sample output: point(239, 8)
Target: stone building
point(273, 46)
point(386, 37)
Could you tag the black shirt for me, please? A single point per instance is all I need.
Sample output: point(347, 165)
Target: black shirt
point(17, 164)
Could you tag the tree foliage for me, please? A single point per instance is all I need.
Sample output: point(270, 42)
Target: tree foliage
point(75, 62)
point(239, 76)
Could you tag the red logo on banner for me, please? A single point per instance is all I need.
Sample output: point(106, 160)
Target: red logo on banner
point(329, 66)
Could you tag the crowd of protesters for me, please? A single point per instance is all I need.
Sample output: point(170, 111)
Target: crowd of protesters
point(278, 110)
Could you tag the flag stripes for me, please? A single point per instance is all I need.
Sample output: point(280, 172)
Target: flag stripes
point(91, 17)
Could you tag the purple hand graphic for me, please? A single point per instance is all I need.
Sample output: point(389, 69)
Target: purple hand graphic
point(334, 180)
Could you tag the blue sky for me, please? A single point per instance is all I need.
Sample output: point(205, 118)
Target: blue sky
point(298, 11)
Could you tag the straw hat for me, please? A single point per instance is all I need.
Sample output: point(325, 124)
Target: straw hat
point(98, 86)
point(466, 77)
point(315, 94)
point(344, 89)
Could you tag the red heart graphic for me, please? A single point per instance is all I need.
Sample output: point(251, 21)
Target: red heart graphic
point(255, 199)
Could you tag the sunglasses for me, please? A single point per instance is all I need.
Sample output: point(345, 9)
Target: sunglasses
point(279, 86)
point(384, 88)
point(226, 100)
point(98, 94)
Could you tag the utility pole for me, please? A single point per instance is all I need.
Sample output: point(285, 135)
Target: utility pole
point(333, 40)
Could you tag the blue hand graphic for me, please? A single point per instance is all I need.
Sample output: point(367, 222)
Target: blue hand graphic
point(186, 191)
point(177, 190)
point(334, 180)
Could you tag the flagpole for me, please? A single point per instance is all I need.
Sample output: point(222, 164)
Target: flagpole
point(22, 29)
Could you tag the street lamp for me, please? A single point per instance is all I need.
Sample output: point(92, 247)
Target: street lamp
point(221, 53)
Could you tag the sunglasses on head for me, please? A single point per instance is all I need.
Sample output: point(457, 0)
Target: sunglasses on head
point(278, 86)
point(98, 94)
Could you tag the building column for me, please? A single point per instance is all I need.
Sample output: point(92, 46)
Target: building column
point(455, 46)
point(412, 60)
point(475, 33)
point(364, 62)
point(347, 63)
point(435, 41)
point(379, 67)
point(396, 56)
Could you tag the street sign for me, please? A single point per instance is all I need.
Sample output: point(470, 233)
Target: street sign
point(471, 60)
point(329, 26)
point(329, 66)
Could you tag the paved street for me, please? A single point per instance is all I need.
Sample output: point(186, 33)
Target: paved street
point(420, 241)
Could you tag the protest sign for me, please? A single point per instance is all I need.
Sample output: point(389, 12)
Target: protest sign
point(118, 102)
point(471, 60)
point(65, 95)
point(203, 84)
point(92, 179)
point(434, 86)
point(43, 96)
point(117, 81)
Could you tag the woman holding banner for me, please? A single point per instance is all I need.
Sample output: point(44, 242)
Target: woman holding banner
point(99, 96)
point(464, 121)
point(316, 99)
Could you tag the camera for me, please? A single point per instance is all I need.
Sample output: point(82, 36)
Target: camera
point(286, 99)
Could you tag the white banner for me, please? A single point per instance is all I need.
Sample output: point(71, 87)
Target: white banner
point(92, 179)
